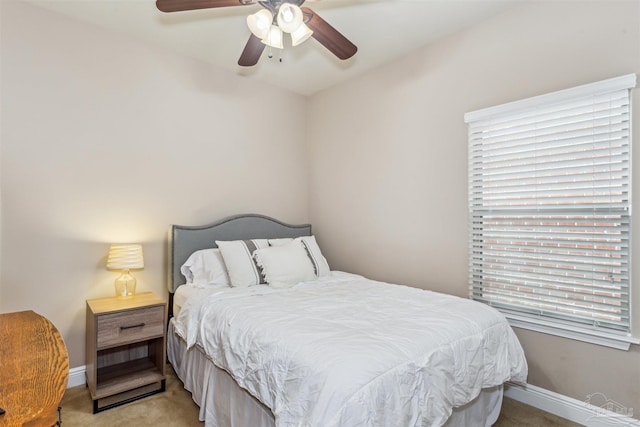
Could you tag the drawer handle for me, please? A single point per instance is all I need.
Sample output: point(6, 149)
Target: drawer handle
point(137, 325)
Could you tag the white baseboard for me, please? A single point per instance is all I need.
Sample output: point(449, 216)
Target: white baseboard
point(572, 409)
point(77, 376)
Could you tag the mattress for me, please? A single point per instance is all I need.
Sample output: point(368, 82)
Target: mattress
point(348, 351)
point(223, 403)
point(183, 293)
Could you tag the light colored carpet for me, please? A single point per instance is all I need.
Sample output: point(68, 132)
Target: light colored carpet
point(175, 408)
point(518, 414)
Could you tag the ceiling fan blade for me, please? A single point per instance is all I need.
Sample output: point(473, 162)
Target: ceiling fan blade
point(180, 5)
point(252, 51)
point(328, 36)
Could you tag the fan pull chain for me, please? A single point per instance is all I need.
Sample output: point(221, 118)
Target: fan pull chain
point(270, 54)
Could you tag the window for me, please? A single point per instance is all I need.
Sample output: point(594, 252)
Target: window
point(550, 212)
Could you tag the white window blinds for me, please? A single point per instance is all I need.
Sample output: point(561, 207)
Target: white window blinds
point(549, 202)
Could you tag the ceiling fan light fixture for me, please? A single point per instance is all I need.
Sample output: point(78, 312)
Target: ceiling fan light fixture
point(260, 22)
point(274, 38)
point(300, 34)
point(289, 17)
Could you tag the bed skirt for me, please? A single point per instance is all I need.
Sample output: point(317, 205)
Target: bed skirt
point(225, 404)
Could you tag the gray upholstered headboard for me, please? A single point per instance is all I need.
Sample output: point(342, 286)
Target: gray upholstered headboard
point(184, 240)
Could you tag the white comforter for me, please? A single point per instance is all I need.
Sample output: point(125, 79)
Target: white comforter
point(347, 351)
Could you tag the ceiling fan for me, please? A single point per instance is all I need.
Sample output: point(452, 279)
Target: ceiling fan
point(268, 24)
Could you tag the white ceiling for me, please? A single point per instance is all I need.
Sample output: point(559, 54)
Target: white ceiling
point(383, 30)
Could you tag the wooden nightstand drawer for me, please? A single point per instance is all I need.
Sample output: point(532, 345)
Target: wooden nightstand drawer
point(129, 326)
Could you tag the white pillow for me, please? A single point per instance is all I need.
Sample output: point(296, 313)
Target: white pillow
point(205, 267)
point(238, 257)
point(320, 265)
point(280, 242)
point(284, 266)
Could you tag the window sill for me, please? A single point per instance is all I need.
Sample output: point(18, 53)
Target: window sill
point(607, 339)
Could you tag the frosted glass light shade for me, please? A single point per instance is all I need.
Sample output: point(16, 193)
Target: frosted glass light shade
point(289, 17)
point(300, 34)
point(274, 38)
point(125, 257)
point(260, 22)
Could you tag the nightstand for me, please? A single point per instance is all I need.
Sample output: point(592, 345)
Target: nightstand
point(125, 349)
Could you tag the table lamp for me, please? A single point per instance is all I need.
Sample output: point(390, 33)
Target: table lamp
point(125, 257)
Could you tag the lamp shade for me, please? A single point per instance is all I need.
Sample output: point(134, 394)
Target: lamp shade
point(260, 22)
point(274, 38)
point(125, 257)
point(300, 34)
point(289, 17)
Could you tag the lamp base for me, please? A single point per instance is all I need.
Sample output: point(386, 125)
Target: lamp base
point(125, 285)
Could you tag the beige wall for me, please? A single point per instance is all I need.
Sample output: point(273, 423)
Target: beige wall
point(388, 185)
point(109, 140)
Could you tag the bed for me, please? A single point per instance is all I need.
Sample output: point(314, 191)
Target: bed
point(336, 349)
